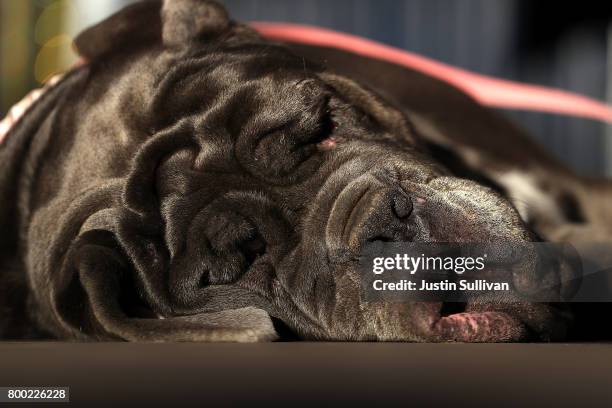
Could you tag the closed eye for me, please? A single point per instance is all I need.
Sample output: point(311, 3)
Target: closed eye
point(328, 139)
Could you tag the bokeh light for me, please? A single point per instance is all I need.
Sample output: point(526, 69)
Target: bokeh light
point(50, 32)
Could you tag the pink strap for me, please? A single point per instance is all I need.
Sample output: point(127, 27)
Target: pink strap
point(487, 90)
point(18, 111)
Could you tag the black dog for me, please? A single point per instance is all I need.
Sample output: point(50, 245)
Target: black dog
point(194, 180)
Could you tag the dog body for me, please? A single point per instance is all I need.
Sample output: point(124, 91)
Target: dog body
point(194, 180)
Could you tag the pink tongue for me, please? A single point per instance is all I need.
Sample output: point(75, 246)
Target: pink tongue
point(480, 327)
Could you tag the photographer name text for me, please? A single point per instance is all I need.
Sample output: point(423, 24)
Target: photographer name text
point(414, 264)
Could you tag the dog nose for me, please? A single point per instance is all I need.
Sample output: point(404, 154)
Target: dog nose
point(386, 218)
point(401, 205)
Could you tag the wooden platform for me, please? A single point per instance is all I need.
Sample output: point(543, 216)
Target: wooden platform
point(316, 374)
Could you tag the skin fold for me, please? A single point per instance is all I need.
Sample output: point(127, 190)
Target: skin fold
point(196, 182)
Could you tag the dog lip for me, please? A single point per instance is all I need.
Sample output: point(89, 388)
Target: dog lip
point(476, 323)
point(343, 208)
point(349, 219)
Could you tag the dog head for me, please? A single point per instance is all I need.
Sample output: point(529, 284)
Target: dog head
point(250, 181)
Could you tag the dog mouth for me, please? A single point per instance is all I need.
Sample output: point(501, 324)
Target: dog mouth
point(463, 322)
point(364, 205)
point(477, 322)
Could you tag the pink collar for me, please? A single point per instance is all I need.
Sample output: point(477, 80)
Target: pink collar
point(18, 111)
point(488, 91)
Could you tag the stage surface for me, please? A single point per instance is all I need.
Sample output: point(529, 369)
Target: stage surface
point(316, 374)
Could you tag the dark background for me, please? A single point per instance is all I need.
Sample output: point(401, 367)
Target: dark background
point(561, 44)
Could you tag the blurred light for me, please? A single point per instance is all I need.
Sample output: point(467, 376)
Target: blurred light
point(50, 22)
point(15, 56)
point(51, 32)
point(48, 60)
point(608, 132)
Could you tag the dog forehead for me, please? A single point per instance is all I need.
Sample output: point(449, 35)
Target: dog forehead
point(217, 66)
point(238, 85)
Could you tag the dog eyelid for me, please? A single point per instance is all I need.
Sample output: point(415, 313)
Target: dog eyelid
point(327, 144)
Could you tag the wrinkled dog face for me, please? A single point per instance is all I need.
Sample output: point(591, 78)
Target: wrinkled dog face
point(269, 175)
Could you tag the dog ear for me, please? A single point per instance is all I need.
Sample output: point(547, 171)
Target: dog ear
point(186, 21)
point(176, 23)
point(387, 116)
point(134, 26)
point(96, 295)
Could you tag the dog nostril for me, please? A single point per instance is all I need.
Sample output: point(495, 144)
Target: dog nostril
point(401, 205)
